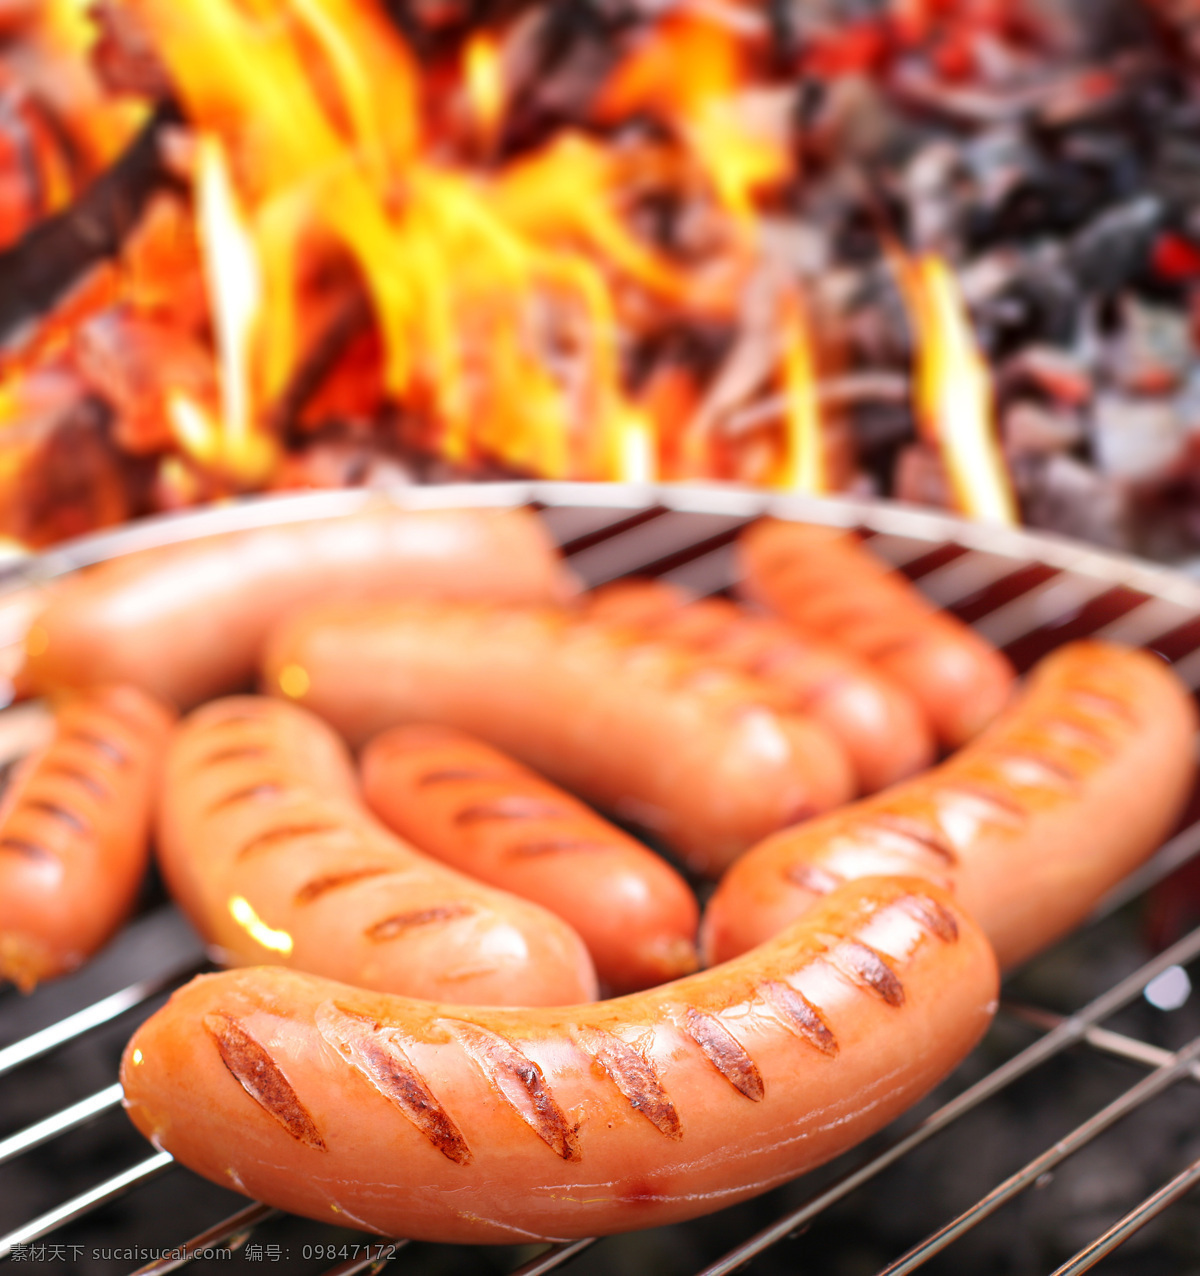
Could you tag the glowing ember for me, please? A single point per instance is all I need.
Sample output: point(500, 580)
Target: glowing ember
point(954, 393)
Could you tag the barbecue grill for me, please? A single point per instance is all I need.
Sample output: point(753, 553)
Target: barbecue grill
point(1024, 1131)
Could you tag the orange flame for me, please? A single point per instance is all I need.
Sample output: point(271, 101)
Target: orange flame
point(690, 70)
point(954, 393)
point(804, 468)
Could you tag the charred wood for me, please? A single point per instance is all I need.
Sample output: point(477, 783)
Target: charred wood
point(41, 267)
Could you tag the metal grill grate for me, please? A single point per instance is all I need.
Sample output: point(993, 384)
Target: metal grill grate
point(1026, 593)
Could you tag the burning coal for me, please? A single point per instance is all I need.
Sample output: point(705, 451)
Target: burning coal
point(277, 243)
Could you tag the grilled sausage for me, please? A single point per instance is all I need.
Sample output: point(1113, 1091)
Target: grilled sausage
point(705, 758)
point(186, 621)
point(472, 807)
point(442, 1123)
point(74, 832)
point(1029, 826)
point(879, 724)
point(825, 583)
point(266, 847)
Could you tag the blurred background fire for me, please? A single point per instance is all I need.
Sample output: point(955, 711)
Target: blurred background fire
point(946, 251)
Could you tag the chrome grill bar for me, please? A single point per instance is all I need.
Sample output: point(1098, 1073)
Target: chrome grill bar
point(1133, 1222)
point(1161, 1079)
point(83, 1021)
point(1026, 591)
point(60, 1122)
point(237, 1227)
point(85, 1202)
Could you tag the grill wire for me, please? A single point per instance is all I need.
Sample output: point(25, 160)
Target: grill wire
point(1027, 594)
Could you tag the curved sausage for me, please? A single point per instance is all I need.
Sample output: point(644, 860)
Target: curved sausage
point(705, 758)
point(877, 722)
point(74, 832)
point(185, 622)
point(824, 582)
point(1029, 826)
point(441, 1123)
point(264, 844)
point(472, 807)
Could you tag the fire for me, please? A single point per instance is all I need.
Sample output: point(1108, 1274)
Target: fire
point(484, 77)
point(954, 393)
point(560, 300)
point(636, 447)
point(235, 292)
point(804, 468)
point(690, 71)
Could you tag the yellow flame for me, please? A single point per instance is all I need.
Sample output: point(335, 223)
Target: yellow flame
point(483, 75)
point(804, 468)
point(234, 283)
point(242, 912)
point(499, 298)
point(691, 69)
point(954, 393)
point(636, 446)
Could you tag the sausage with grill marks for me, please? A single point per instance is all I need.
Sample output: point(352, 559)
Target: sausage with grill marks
point(877, 722)
point(1029, 826)
point(186, 621)
point(471, 806)
point(266, 846)
point(708, 759)
point(74, 832)
point(447, 1123)
point(823, 581)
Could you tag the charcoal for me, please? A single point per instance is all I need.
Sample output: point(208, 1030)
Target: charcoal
point(1039, 429)
point(920, 477)
point(934, 180)
point(1063, 494)
point(1041, 304)
point(1114, 247)
point(40, 268)
point(1187, 404)
point(1134, 438)
point(1153, 351)
point(1061, 376)
point(1176, 175)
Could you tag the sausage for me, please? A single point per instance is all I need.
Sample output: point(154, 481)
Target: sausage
point(470, 806)
point(265, 845)
point(74, 832)
point(1029, 826)
point(185, 622)
point(704, 758)
point(877, 722)
point(441, 1123)
point(824, 582)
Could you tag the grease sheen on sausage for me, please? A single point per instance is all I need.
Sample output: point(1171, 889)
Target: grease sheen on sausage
point(74, 832)
point(186, 621)
point(446, 1123)
point(265, 845)
point(823, 581)
point(1029, 826)
point(877, 722)
point(473, 807)
point(706, 758)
